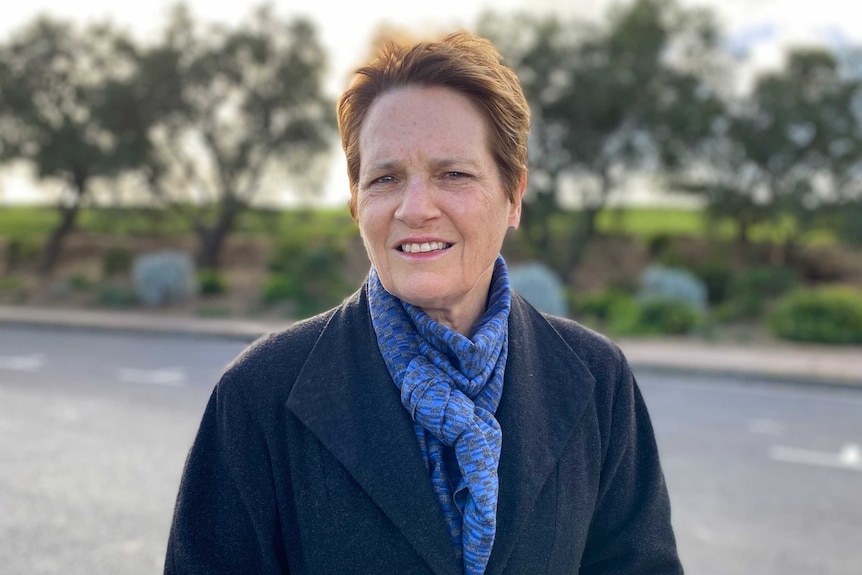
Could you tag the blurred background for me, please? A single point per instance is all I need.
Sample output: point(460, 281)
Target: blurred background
point(695, 173)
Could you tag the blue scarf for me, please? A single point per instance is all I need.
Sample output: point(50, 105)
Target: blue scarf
point(451, 386)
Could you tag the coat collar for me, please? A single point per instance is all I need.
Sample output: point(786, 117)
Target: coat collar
point(346, 398)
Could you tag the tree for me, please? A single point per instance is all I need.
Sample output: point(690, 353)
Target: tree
point(846, 151)
point(66, 108)
point(789, 151)
point(607, 101)
point(235, 110)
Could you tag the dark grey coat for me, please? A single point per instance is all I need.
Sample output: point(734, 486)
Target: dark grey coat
point(306, 462)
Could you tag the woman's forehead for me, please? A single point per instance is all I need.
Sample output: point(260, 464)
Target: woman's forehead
point(439, 124)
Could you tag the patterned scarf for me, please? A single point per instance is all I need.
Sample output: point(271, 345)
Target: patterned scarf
point(451, 386)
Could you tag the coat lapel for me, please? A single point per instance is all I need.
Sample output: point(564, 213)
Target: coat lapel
point(345, 396)
point(545, 392)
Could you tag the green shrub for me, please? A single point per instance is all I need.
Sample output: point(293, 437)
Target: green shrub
point(830, 314)
point(308, 274)
point(211, 282)
point(718, 278)
point(117, 295)
point(303, 255)
point(12, 289)
point(658, 245)
point(849, 229)
point(620, 313)
point(20, 251)
point(770, 281)
point(752, 290)
point(734, 310)
point(278, 288)
point(80, 281)
point(116, 262)
point(600, 306)
point(625, 317)
point(308, 294)
point(667, 317)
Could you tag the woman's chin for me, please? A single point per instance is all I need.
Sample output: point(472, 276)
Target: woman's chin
point(426, 290)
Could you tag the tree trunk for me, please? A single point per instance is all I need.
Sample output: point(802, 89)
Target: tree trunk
point(742, 231)
point(583, 233)
point(212, 239)
point(54, 245)
point(535, 222)
point(580, 238)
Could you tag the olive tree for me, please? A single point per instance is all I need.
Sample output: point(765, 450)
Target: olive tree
point(237, 111)
point(788, 152)
point(67, 108)
point(608, 100)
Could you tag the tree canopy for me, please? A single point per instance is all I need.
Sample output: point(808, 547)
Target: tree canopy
point(790, 151)
point(66, 109)
point(230, 107)
point(209, 115)
point(212, 118)
point(607, 100)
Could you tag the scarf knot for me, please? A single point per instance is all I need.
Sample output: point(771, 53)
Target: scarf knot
point(451, 385)
point(437, 405)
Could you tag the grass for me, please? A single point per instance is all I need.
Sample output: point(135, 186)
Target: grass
point(34, 223)
point(649, 222)
point(26, 222)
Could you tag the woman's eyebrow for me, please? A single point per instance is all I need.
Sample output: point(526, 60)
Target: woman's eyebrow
point(384, 165)
point(455, 162)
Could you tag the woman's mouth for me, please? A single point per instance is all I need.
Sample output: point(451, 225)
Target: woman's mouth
point(423, 247)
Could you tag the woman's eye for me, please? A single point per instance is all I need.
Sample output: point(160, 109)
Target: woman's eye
point(456, 175)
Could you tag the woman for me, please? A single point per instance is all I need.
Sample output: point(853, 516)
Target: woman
point(434, 422)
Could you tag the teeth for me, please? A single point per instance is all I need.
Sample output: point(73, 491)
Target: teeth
point(423, 248)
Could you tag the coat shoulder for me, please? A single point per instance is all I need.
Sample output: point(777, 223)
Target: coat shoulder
point(589, 344)
point(269, 366)
point(596, 351)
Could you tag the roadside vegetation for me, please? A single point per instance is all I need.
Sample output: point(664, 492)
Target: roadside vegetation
point(647, 272)
point(197, 128)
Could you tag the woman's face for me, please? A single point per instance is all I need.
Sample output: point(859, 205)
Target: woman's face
point(431, 208)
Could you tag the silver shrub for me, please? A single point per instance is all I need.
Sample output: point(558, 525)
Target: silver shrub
point(540, 286)
point(662, 282)
point(164, 278)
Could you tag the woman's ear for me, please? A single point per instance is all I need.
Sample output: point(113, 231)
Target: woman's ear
point(515, 208)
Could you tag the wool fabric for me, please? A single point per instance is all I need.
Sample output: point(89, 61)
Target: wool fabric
point(451, 385)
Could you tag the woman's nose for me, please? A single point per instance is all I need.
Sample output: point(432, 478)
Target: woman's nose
point(418, 204)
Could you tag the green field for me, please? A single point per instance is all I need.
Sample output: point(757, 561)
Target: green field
point(34, 223)
point(649, 222)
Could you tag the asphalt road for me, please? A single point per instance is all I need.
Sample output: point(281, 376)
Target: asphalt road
point(764, 478)
point(94, 427)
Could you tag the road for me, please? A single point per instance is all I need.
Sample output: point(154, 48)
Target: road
point(764, 478)
point(94, 427)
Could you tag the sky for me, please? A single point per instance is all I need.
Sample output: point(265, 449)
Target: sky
point(759, 28)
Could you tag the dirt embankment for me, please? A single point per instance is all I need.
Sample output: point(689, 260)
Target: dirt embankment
point(608, 261)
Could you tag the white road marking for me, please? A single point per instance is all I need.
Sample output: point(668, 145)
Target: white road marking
point(32, 362)
point(849, 457)
point(169, 376)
